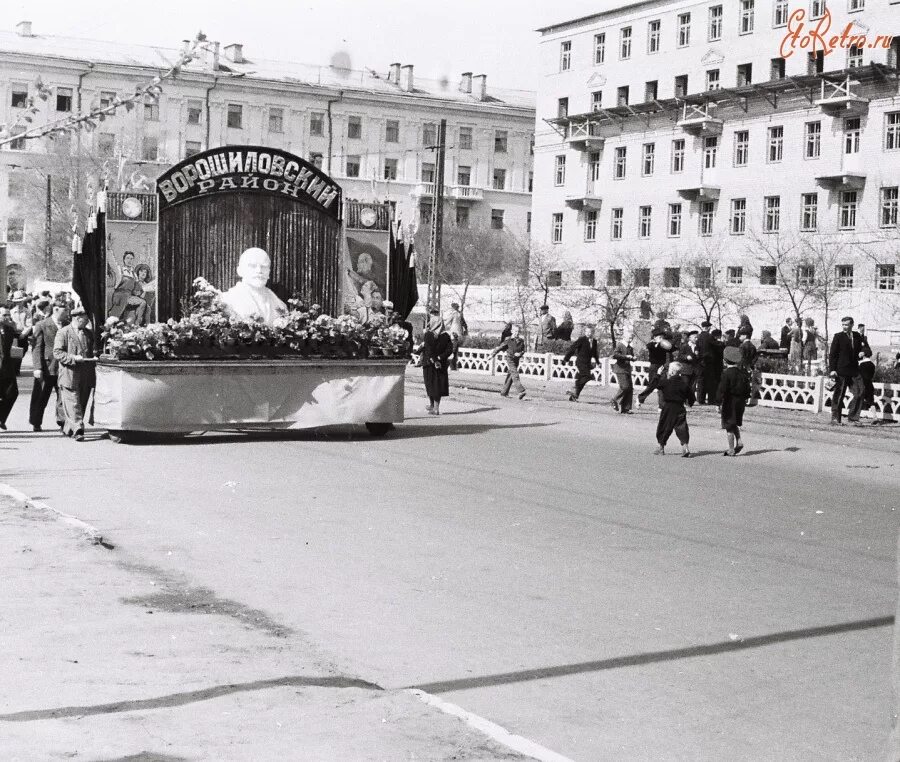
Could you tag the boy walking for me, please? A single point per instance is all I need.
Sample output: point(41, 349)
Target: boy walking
point(677, 391)
point(731, 397)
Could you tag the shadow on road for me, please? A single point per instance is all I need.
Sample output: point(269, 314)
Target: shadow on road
point(745, 453)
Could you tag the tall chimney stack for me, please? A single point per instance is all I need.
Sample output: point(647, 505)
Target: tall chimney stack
point(23, 29)
point(479, 88)
point(235, 52)
point(406, 78)
point(394, 75)
point(465, 84)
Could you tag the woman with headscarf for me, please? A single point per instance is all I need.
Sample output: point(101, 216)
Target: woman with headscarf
point(564, 330)
point(437, 346)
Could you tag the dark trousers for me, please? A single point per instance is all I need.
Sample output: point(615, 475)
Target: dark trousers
point(44, 387)
point(867, 373)
point(625, 396)
point(673, 417)
point(651, 385)
point(856, 387)
point(9, 391)
point(454, 358)
point(582, 376)
point(512, 378)
point(709, 386)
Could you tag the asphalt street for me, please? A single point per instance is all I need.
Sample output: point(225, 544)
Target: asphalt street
point(538, 566)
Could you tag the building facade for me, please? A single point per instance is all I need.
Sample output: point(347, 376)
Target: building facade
point(375, 132)
point(683, 142)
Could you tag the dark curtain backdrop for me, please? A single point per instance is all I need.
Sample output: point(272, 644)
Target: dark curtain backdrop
point(89, 276)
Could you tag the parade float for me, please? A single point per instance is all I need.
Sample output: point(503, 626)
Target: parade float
point(298, 342)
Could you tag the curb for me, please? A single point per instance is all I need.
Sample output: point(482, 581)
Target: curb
point(90, 532)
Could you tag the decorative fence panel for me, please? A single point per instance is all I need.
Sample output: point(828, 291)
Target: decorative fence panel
point(475, 360)
point(791, 392)
point(640, 374)
point(533, 365)
point(886, 407)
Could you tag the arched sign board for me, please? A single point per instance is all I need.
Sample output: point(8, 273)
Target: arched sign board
point(216, 204)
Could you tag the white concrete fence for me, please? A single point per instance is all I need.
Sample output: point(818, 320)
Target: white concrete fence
point(776, 390)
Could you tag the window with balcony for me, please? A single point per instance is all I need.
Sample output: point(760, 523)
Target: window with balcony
point(64, 99)
point(843, 275)
point(464, 175)
point(780, 13)
point(620, 163)
point(649, 159)
point(776, 145)
point(559, 172)
point(672, 277)
point(892, 131)
point(674, 225)
point(681, 85)
point(622, 96)
point(710, 151)
point(890, 202)
point(596, 100)
point(768, 275)
point(734, 276)
point(744, 74)
point(777, 68)
point(18, 96)
point(465, 139)
point(557, 228)
point(772, 219)
point(886, 277)
point(852, 134)
point(848, 206)
point(501, 138)
point(713, 82)
point(590, 231)
point(812, 140)
point(809, 211)
point(276, 120)
point(316, 124)
point(499, 181)
point(589, 277)
point(599, 48)
point(854, 57)
point(617, 220)
point(352, 166)
point(738, 223)
point(392, 131)
point(625, 43)
point(651, 90)
point(714, 29)
point(707, 217)
point(426, 173)
point(645, 219)
point(653, 29)
point(390, 169)
point(741, 148)
point(746, 18)
point(15, 230)
point(462, 216)
point(565, 55)
point(677, 156)
point(235, 116)
point(192, 148)
point(150, 148)
point(354, 127)
point(684, 30)
point(497, 219)
point(194, 112)
point(805, 276)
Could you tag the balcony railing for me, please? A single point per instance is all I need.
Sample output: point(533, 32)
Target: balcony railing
point(466, 193)
point(699, 120)
point(706, 188)
point(838, 99)
point(585, 136)
point(589, 200)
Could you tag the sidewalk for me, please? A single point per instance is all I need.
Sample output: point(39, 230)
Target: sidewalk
point(105, 657)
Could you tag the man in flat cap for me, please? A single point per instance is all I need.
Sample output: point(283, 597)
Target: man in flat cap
point(73, 349)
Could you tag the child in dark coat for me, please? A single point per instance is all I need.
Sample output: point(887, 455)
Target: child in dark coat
point(734, 389)
point(677, 391)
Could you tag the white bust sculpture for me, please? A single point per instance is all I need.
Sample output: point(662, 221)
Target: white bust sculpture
point(249, 298)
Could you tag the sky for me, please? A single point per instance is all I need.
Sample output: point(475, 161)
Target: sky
point(440, 38)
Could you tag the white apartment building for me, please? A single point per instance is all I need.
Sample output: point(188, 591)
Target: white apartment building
point(374, 131)
point(670, 131)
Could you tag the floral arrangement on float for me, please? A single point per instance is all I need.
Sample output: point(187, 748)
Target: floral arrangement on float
point(207, 332)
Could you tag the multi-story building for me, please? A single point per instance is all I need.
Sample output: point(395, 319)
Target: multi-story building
point(680, 141)
point(375, 132)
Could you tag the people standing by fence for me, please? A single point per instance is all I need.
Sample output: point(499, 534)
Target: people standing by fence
point(585, 350)
point(514, 347)
point(623, 356)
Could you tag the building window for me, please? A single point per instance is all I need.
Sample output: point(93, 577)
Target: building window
point(500, 141)
point(390, 169)
point(712, 80)
point(557, 228)
point(19, 96)
point(746, 18)
point(852, 132)
point(588, 278)
point(354, 128)
point(599, 48)
point(889, 206)
point(672, 277)
point(425, 214)
point(649, 159)
point(707, 215)
point(651, 91)
point(316, 159)
point(620, 162)
point(703, 277)
point(738, 224)
point(809, 211)
point(559, 175)
point(614, 278)
point(854, 57)
point(530, 182)
point(710, 150)
point(192, 148)
point(150, 148)
point(496, 219)
point(352, 166)
point(194, 111)
point(674, 220)
point(426, 174)
point(815, 62)
point(64, 99)
point(622, 96)
point(107, 98)
point(465, 138)
point(856, 5)
point(847, 218)
point(392, 131)
point(554, 278)
point(772, 223)
point(625, 43)
point(892, 131)
point(527, 222)
point(316, 124)
point(715, 23)
point(594, 166)
point(645, 218)
point(678, 156)
point(151, 109)
point(813, 140)
point(462, 216)
point(734, 276)
point(565, 55)
point(499, 179)
point(844, 276)
point(776, 145)
point(15, 230)
point(276, 120)
point(596, 100)
point(817, 9)
point(777, 69)
point(464, 175)
point(590, 230)
point(106, 144)
point(741, 148)
point(806, 276)
point(684, 30)
point(653, 36)
point(562, 108)
point(681, 85)
point(235, 118)
point(15, 186)
point(618, 218)
point(768, 275)
point(744, 74)
point(780, 17)
point(17, 144)
point(642, 277)
point(886, 277)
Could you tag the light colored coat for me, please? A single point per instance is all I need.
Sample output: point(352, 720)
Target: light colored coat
point(70, 342)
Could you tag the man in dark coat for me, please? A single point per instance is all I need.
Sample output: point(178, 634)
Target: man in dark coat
point(658, 349)
point(786, 331)
point(585, 351)
point(704, 340)
point(730, 339)
point(731, 397)
point(623, 356)
point(677, 392)
point(73, 349)
point(843, 367)
point(46, 367)
point(866, 369)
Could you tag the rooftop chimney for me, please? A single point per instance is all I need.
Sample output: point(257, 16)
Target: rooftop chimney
point(235, 52)
point(406, 78)
point(215, 56)
point(479, 89)
point(394, 75)
point(465, 84)
point(23, 29)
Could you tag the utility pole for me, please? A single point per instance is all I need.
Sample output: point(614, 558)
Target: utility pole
point(48, 226)
point(437, 222)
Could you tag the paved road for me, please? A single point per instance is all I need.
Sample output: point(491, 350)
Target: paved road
point(535, 564)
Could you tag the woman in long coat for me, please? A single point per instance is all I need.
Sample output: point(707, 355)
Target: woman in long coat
point(437, 346)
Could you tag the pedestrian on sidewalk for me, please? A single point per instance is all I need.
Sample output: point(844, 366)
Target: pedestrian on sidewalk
point(546, 329)
point(437, 347)
point(11, 353)
point(677, 392)
point(623, 356)
point(514, 347)
point(731, 397)
point(586, 351)
point(749, 355)
point(843, 368)
point(658, 349)
point(866, 370)
point(704, 355)
point(46, 367)
point(73, 349)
